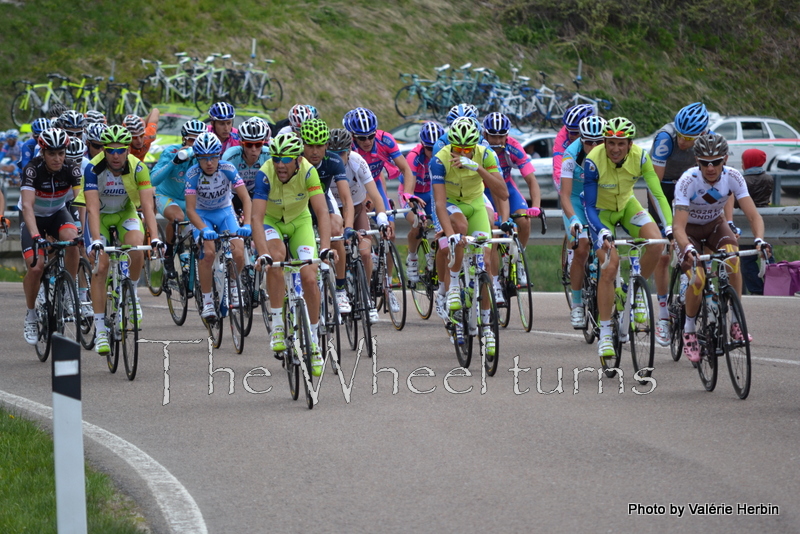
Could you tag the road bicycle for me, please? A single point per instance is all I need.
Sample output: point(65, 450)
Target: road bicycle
point(423, 291)
point(417, 97)
point(127, 102)
point(576, 98)
point(179, 273)
point(591, 327)
point(720, 313)
point(57, 304)
point(477, 295)
point(358, 292)
point(547, 105)
point(252, 86)
point(84, 285)
point(121, 319)
point(514, 276)
point(154, 263)
point(214, 85)
point(297, 356)
point(632, 316)
point(179, 86)
point(86, 95)
point(36, 99)
point(388, 280)
point(678, 282)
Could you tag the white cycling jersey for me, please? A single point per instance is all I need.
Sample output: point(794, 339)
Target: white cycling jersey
point(706, 201)
point(358, 175)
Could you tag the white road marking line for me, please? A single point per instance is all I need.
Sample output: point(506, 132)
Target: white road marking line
point(179, 508)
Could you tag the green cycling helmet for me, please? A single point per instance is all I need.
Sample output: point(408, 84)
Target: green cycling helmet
point(463, 132)
point(116, 134)
point(286, 144)
point(315, 132)
point(620, 127)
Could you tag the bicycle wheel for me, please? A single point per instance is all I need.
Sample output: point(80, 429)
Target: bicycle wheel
point(592, 321)
point(304, 335)
point(63, 96)
point(22, 110)
point(233, 287)
point(485, 290)
point(66, 308)
point(271, 95)
point(263, 299)
point(84, 282)
point(422, 291)
point(408, 102)
point(153, 265)
point(176, 289)
point(612, 362)
point(202, 94)
point(43, 318)
point(459, 327)
point(642, 328)
point(737, 351)
point(395, 285)
point(707, 339)
point(677, 315)
point(113, 326)
point(291, 360)
point(329, 319)
point(364, 307)
point(566, 261)
point(522, 288)
point(507, 285)
point(353, 293)
point(247, 279)
point(130, 330)
point(214, 326)
point(194, 276)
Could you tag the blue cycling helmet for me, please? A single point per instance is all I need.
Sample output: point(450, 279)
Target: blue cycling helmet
point(314, 111)
point(592, 128)
point(193, 128)
point(362, 122)
point(94, 132)
point(207, 144)
point(221, 111)
point(39, 125)
point(13, 133)
point(692, 120)
point(573, 116)
point(461, 110)
point(496, 123)
point(430, 133)
point(71, 120)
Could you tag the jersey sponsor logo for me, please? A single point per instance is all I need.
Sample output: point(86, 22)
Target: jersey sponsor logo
point(214, 194)
point(314, 188)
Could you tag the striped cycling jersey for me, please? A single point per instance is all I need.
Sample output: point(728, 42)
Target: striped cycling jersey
point(235, 156)
point(706, 201)
point(213, 192)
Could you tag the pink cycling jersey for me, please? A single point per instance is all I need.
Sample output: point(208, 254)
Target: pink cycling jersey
point(383, 153)
point(514, 155)
point(232, 140)
point(559, 147)
point(419, 162)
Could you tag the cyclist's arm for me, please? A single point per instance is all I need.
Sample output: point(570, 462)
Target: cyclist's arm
point(437, 171)
point(163, 167)
point(654, 184)
point(409, 178)
point(152, 118)
point(247, 205)
point(190, 194)
point(491, 177)
point(566, 194)
point(727, 211)
point(28, 197)
point(259, 209)
point(348, 211)
point(660, 152)
point(320, 207)
point(375, 196)
point(590, 179)
point(751, 212)
point(679, 226)
point(558, 155)
point(147, 197)
point(2, 204)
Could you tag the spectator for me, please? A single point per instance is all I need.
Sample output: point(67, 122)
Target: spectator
point(759, 185)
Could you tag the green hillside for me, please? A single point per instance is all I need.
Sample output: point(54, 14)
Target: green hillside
point(649, 58)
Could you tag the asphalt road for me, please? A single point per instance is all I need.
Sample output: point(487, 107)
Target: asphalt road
point(501, 459)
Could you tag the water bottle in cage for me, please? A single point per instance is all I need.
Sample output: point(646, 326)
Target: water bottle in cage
point(123, 267)
point(635, 267)
point(298, 286)
point(479, 261)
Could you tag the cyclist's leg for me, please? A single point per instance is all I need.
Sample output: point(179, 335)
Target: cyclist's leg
point(518, 206)
point(227, 223)
point(33, 276)
point(205, 264)
point(276, 288)
point(605, 283)
point(65, 230)
point(638, 223)
point(478, 225)
point(722, 238)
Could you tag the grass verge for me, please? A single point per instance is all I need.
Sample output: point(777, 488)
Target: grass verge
point(27, 486)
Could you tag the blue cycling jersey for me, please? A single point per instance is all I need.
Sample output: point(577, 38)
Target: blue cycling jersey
point(235, 156)
point(168, 177)
point(28, 152)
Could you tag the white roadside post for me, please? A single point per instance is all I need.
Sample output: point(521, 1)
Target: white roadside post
point(68, 437)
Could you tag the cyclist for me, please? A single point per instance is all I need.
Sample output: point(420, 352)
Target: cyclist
point(610, 171)
point(143, 131)
point(13, 151)
point(55, 111)
point(221, 115)
point(672, 154)
point(95, 117)
point(567, 135)
point(330, 168)
point(298, 114)
point(419, 159)
point(286, 187)
point(209, 185)
point(700, 196)
point(94, 141)
point(72, 122)
point(169, 178)
point(48, 182)
point(362, 187)
point(591, 131)
point(30, 148)
point(459, 173)
point(248, 157)
point(115, 184)
point(76, 153)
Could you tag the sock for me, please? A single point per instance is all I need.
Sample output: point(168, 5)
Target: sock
point(486, 316)
point(276, 314)
point(690, 325)
point(441, 290)
point(663, 312)
point(208, 298)
point(82, 293)
point(605, 328)
point(412, 256)
point(31, 315)
point(496, 280)
point(577, 298)
point(454, 277)
point(168, 252)
point(340, 283)
point(314, 333)
point(135, 288)
point(100, 322)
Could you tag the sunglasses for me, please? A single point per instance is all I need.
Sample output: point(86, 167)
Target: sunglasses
point(714, 162)
point(687, 137)
point(495, 132)
point(96, 146)
point(283, 159)
point(462, 149)
point(369, 137)
point(116, 151)
point(207, 158)
point(592, 142)
point(611, 133)
point(427, 147)
point(255, 144)
point(573, 133)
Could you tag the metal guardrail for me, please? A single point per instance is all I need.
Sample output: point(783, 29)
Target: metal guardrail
point(781, 227)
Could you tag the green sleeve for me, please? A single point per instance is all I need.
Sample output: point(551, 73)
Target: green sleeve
point(654, 184)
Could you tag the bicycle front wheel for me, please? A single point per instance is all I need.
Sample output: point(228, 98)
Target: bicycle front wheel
point(737, 347)
point(43, 319)
point(235, 303)
point(707, 339)
point(67, 311)
point(565, 266)
point(422, 290)
point(611, 363)
point(247, 279)
point(364, 304)
point(84, 281)
point(462, 340)
point(488, 329)
point(130, 330)
point(677, 315)
point(408, 102)
point(395, 288)
point(176, 289)
point(271, 95)
point(113, 325)
point(22, 110)
point(304, 333)
point(291, 360)
point(522, 287)
point(153, 265)
point(329, 319)
point(592, 320)
point(642, 329)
